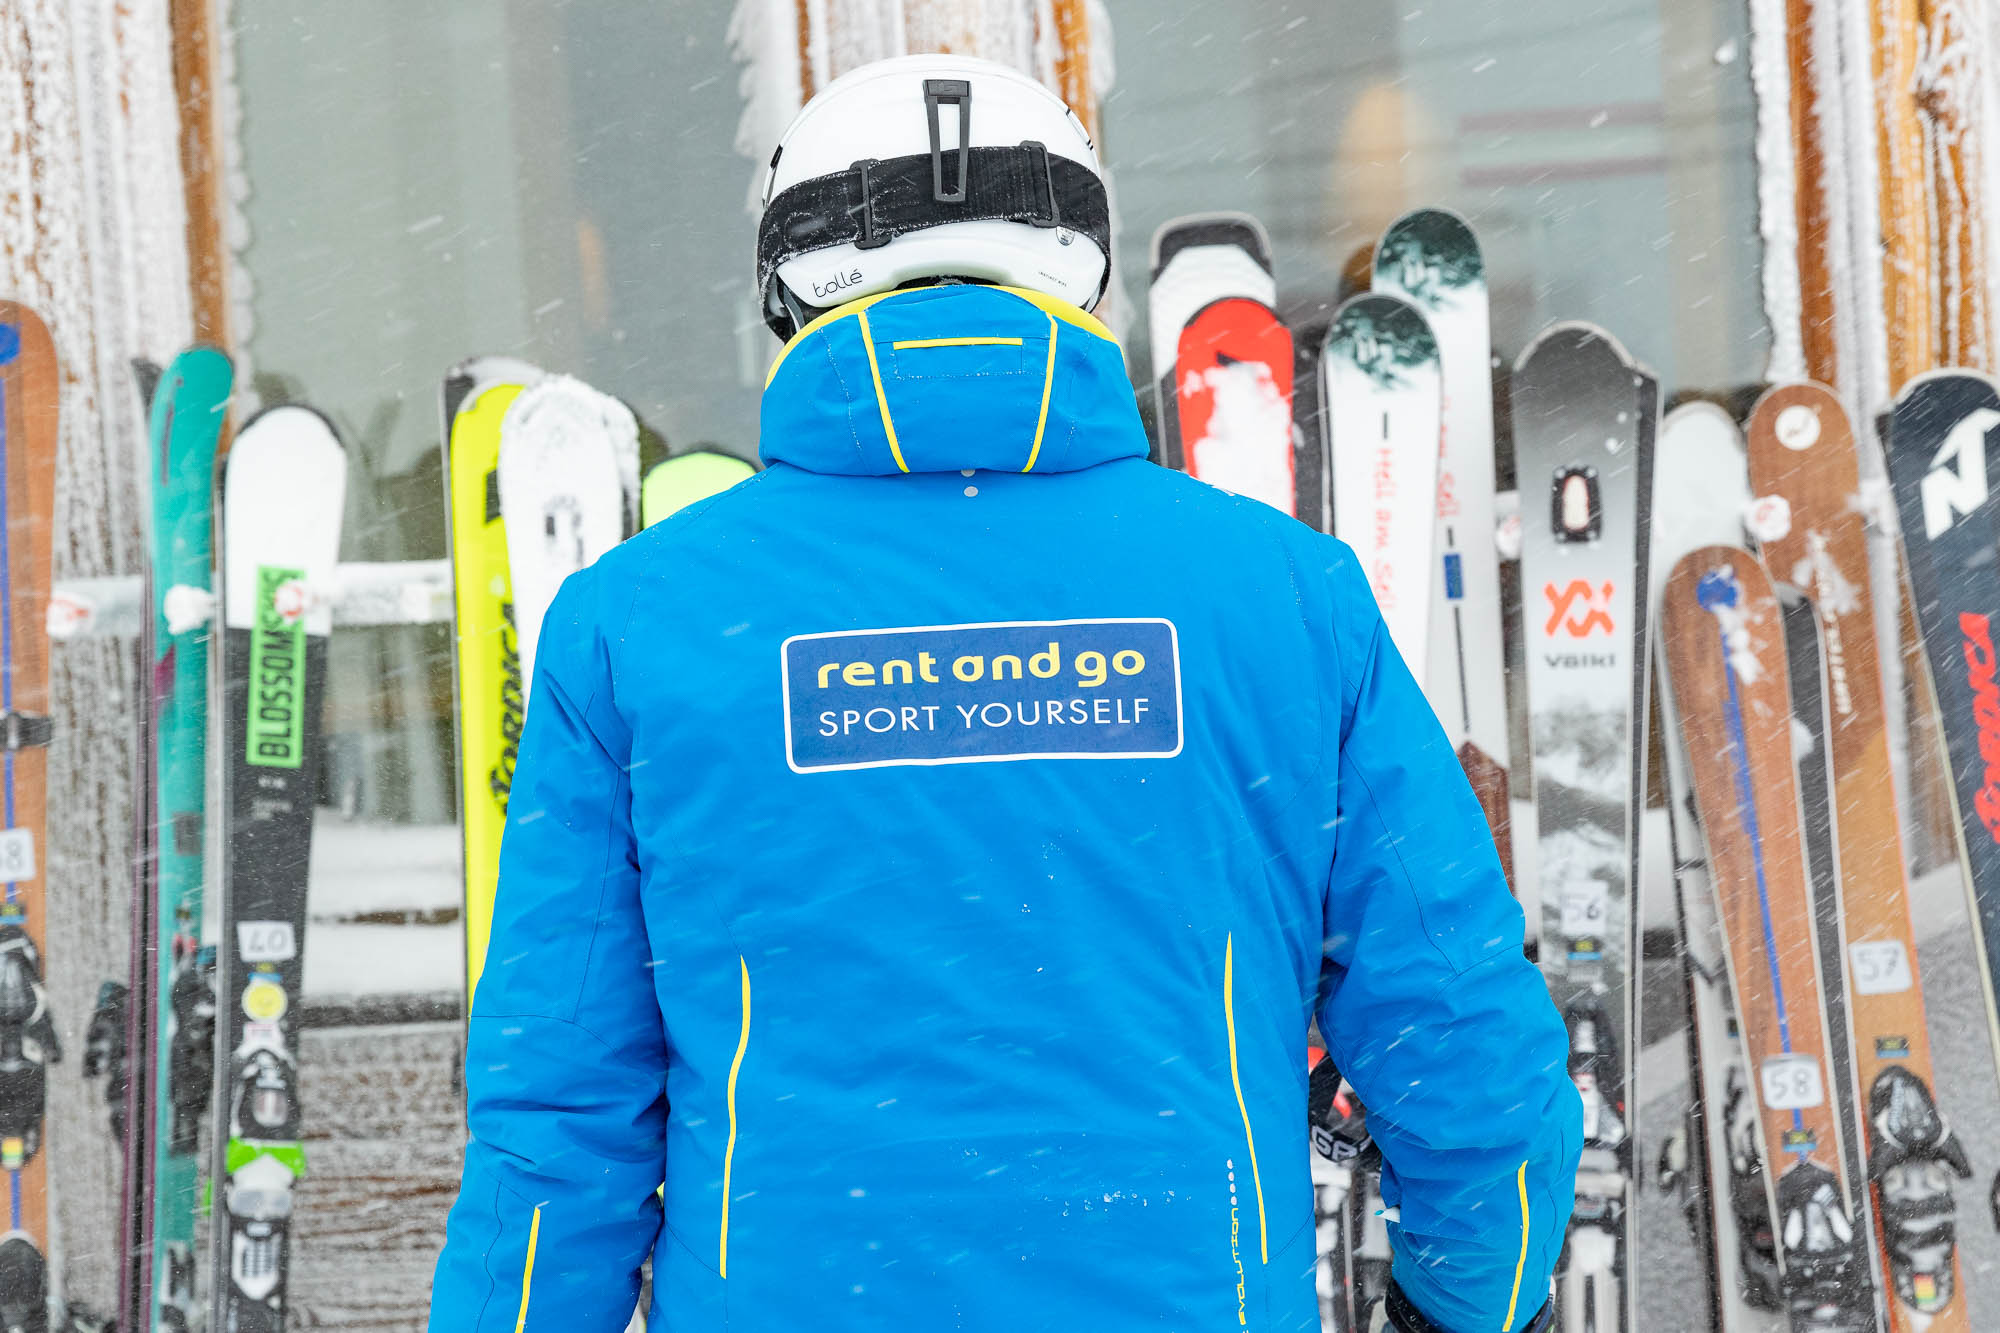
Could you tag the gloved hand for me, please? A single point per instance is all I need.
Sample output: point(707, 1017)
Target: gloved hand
point(1405, 1317)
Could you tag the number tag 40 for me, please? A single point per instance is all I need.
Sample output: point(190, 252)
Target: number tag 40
point(266, 941)
point(1791, 1082)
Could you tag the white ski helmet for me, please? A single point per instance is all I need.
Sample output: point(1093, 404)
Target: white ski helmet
point(928, 167)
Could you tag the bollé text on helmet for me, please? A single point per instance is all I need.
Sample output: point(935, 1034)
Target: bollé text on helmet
point(838, 283)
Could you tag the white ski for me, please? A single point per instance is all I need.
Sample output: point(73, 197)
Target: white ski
point(562, 494)
point(1701, 490)
point(1382, 400)
point(1431, 259)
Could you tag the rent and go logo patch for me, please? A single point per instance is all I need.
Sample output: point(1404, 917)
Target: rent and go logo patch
point(277, 676)
point(957, 694)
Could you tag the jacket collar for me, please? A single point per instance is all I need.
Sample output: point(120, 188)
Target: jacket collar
point(936, 379)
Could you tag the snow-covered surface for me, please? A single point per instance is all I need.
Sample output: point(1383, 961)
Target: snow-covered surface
point(1777, 188)
point(346, 959)
point(361, 869)
point(227, 109)
point(382, 872)
point(1236, 453)
point(1984, 115)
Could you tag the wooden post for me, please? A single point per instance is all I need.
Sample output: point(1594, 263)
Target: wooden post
point(195, 65)
point(1944, 92)
point(1818, 300)
point(1909, 295)
point(1072, 22)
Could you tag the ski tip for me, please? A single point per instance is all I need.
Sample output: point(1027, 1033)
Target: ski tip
point(472, 376)
point(1385, 319)
point(1436, 231)
point(1574, 337)
point(1219, 228)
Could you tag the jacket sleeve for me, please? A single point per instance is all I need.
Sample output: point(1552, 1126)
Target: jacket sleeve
point(566, 1061)
point(1431, 1010)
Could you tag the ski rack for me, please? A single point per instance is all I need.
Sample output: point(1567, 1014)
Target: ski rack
point(379, 593)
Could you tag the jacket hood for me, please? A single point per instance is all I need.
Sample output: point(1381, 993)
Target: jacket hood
point(937, 379)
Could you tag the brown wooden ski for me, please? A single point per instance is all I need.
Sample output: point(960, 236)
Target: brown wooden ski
point(1802, 451)
point(29, 384)
point(1725, 651)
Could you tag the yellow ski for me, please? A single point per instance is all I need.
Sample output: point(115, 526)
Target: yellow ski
point(487, 653)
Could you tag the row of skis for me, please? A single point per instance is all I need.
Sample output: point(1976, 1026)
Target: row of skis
point(1817, 1164)
point(543, 478)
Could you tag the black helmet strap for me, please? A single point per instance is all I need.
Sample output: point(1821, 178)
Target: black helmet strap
point(875, 201)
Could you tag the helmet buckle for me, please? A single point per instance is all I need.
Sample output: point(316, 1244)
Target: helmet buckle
point(1047, 214)
point(958, 93)
point(871, 238)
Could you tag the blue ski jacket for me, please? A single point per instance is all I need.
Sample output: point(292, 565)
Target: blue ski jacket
point(924, 863)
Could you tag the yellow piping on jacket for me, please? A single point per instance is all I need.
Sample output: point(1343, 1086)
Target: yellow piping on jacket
point(528, 1268)
point(1235, 1078)
point(1048, 305)
point(908, 344)
point(1048, 385)
point(729, 1152)
point(1520, 1183)
point(881, 399)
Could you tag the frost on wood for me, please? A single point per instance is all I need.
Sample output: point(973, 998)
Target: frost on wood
point(1777, 188)
point(91, 236)
point(1985, 111)
point(791, 49)
point(227, 108)
point(1948, 88)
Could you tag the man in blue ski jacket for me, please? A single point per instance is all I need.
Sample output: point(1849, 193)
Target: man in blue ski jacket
point(925, 859)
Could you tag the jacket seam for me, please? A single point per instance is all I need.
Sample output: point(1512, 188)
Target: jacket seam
point(665, 833)
point(500, 1194)
point(621, 784)
point(486, 1259)
point(1270, 532)
point(1403, 869)
point(1305, 629)
point(552, 1018)
point(833, 364)
point(667, 1226)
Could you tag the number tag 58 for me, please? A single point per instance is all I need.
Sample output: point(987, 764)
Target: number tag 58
point(1791, 1082)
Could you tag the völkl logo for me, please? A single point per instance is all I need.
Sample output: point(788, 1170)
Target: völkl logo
point(1578, 608)
point(1956, 484)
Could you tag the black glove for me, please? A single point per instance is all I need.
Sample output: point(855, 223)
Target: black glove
point(1405, 1317)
